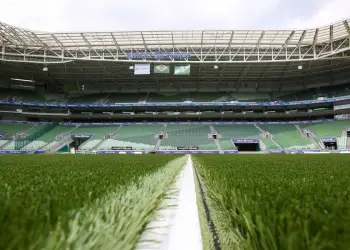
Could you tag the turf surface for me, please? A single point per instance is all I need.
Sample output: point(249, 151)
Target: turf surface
point(278, 201)
point(38, 191)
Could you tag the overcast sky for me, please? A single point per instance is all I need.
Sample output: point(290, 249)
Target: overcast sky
point(114, 15)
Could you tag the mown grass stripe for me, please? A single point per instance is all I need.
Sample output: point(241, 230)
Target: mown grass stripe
point(211, 225)
point(278, 202)
point(116, 220)
point(37, 191)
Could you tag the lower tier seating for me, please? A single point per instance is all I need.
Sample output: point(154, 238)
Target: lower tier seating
point(47, 137)
point(288, 136)
point(229, 132)
point(139, 137)
point(188, 136)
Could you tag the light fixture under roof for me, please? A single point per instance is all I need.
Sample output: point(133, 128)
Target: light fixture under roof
point(22, 80)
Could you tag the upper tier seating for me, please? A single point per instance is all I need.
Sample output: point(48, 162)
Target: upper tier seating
point(229, 132)
point(182, 97)
point(16, 95)
point(188, 136)
point(86, 99)
point(288, 136)
point(126, 98)
point(311, 94)
point(177, 97)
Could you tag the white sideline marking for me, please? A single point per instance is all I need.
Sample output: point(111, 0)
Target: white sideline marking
point(176, 228)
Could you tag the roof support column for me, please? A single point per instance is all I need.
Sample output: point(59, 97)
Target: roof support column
point(347, 28)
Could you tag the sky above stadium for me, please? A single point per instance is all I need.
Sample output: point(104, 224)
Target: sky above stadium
point(115, 15)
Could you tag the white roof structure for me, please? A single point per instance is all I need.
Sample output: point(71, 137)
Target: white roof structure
point(207, 46)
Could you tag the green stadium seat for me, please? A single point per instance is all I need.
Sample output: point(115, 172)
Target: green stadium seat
point(186, 136)
point(288, 136)
point(139, 137)
point(329, 130)
point(229, 132)
point(98, 133)
point(47, 137)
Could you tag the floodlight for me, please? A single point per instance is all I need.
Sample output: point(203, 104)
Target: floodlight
point(300, 67)
point(216, 66)
point(45, 69)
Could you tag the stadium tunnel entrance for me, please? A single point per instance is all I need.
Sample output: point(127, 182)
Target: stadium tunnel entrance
point(330, 143)
point(247, 145)
point(78, 140)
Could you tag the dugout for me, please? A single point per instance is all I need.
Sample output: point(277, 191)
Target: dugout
point(247, 145)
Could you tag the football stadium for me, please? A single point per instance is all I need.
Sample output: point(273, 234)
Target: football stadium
point(186, 139)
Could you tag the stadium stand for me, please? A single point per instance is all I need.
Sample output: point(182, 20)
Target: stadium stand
point(168, 97)
point(139, 137)
point(269, 143)
point(126, 98)
point(188, 136)
point(34, 129)
point(10, 130)
point(288, 136)
point(85, 99)
point(98, 133)
point(20, 95)
point(143, 137)
point(309, 94)
point(329, 130)
point(312, 94)
point(47, 138)
point(229, 132)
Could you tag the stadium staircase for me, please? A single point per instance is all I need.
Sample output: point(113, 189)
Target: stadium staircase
point(60, 140)
point(312, 138)
point(46, 138)
point(107, 136)
point(266, 141)
point(99, 134)
point(159, 142)
point(217, 143)
point(288, 137)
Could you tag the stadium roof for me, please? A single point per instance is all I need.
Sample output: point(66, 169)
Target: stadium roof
point(221, 46)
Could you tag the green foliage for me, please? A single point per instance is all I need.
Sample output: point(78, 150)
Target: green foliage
point(37, 192)
point(279, 201)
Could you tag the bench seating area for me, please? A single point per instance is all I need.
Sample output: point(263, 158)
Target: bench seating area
point(188, 136)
